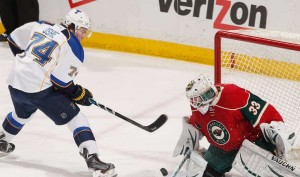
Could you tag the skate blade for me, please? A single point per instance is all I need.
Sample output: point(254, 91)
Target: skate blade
point(109, 173)
point(3, 154)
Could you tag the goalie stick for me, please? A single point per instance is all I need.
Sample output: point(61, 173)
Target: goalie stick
point(150, 128)
point(179, 166)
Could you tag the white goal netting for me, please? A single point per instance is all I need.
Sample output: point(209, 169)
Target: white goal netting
point(268, 64)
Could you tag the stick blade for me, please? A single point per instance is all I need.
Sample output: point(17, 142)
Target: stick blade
point(161, 120)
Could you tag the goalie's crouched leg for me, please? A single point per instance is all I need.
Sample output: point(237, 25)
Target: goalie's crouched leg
point(197, 166)
point(219, 161)
point(252, 160)
point(210, 172)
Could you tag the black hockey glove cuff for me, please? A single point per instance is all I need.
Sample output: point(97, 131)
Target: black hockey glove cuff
point(82, 96)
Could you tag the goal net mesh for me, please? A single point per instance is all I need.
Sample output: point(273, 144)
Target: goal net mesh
point(266, 63)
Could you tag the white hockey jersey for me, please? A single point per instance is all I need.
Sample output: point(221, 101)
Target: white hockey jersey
point(51, 53)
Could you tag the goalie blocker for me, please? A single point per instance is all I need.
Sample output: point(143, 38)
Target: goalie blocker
point(252, 160)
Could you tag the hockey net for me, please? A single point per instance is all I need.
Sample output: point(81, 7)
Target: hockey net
point(266, 63)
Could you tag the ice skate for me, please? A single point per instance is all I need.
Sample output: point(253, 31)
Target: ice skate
point(96, 166)
point(5, 147)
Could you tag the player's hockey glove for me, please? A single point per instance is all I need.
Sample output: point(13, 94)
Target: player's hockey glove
point(82, 96)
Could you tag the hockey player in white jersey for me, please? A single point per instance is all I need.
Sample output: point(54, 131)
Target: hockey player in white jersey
point(47, 59)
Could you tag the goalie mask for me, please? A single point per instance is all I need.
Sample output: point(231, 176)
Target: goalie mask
point(201, 92)
point(80, 19)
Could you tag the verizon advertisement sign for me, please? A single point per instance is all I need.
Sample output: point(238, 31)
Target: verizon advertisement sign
point(190, 22)
point(239, 13)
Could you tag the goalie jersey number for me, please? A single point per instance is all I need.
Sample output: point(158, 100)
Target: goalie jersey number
point(254, 109)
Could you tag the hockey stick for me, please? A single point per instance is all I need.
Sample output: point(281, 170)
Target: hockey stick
point(150, 128)
point(186, 156)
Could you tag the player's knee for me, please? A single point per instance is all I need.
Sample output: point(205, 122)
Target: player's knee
point(211, 172)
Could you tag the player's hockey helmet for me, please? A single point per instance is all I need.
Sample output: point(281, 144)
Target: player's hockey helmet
point(79, 19)
point(201, 92)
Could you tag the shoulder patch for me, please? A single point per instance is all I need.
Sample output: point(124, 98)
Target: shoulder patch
point(254, 109)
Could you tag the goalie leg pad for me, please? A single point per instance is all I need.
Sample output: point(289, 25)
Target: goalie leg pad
point(196, 165)
point(252, 160)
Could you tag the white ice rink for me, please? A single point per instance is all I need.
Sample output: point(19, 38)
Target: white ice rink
point(139, 87)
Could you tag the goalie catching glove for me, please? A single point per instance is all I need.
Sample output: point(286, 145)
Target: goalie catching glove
point(279, 135)
point(82, 96)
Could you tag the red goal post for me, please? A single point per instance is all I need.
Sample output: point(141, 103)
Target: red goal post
point(266, 63)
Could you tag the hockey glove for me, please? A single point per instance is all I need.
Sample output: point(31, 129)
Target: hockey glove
point(82, 96)
point(189, 138)
point(279, 135)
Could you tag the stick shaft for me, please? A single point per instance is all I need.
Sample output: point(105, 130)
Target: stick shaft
point(186, 156)
point(150, 128)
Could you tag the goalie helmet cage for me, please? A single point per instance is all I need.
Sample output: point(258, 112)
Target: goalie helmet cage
point(267, 63)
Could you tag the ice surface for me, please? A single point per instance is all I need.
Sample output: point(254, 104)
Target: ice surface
point(139, 87)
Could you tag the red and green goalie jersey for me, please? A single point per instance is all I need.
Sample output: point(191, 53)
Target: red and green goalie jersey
point(233, 116)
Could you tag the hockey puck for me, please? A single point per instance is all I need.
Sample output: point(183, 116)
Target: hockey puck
point(164, 172)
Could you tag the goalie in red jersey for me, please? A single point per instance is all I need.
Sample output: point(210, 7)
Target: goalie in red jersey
point(230, 117)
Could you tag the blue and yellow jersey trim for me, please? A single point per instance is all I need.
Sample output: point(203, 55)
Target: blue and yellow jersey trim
point(60, 83)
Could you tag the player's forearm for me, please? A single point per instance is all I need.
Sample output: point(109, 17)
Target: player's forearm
point(15, 49)
point(68, 91)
